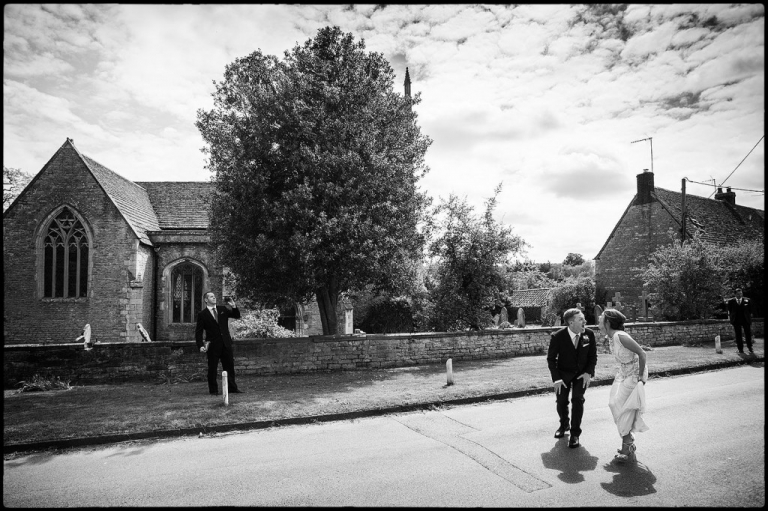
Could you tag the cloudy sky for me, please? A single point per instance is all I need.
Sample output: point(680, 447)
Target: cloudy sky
point(546, 99)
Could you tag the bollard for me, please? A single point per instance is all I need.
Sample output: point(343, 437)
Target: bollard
point(449, 370)
point(224, 388)
point(718, 349)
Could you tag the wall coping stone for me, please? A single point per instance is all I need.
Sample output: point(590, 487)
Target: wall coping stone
point(363, 337)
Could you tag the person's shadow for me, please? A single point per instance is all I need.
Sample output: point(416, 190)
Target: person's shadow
point(570, 462)
point(632, 479)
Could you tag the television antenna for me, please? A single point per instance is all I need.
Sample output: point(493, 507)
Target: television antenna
point(651, 141)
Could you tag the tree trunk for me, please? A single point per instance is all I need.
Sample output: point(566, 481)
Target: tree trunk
point(327, 299)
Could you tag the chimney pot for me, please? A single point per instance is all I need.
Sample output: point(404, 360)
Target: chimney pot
point(727, 196)
point(729, 189)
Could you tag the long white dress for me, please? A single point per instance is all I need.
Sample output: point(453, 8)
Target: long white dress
point(627, 398)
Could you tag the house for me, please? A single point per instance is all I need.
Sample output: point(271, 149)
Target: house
point(84, 245)
point(644, 226)
point(532, 301)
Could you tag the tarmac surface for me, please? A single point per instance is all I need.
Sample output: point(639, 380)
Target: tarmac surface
point(347, 395)
point(705, 447)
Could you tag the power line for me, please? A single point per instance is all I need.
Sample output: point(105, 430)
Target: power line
point(737, 166)
point(731, 187)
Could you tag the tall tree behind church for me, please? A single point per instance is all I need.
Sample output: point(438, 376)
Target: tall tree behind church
point(316, 161)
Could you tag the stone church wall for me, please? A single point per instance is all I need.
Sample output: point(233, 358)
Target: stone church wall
point(27, 316)
point(626, 255)
point(152, 361)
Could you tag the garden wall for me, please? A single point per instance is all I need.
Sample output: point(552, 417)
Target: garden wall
point(117, 362)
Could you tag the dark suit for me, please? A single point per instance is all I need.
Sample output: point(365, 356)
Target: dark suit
point(220, 347)
point(740, 317)
point(567, 363)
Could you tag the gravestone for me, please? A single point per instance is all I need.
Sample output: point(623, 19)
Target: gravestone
point(644, 312)
point(558, 321)
point(617, 298)
point(348, 326)
point(598, 312)
point(496, 320)
point(503, 316)
point(520, 317)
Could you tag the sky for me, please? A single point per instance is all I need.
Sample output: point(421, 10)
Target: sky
point(545, 99)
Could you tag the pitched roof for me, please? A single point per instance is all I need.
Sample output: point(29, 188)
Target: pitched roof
point(179, 204)
point(717, 221)
point(130, 199)
point(530, 297)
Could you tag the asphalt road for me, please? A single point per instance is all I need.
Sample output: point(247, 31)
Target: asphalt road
point(705, 447)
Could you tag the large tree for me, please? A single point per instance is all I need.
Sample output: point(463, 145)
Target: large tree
point(471, 254)
point(316, 160)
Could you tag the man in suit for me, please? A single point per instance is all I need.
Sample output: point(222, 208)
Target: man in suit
point(571, 358)
point(740, 316)
point(218, 343)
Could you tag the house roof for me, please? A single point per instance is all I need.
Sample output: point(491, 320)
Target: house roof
point(530, 297)
point(179, 204)
point(717, 221)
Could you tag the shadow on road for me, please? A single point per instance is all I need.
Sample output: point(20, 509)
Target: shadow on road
point(570, 462)
point(631, 480)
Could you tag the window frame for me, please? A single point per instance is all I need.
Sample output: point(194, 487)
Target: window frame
point(41, 236)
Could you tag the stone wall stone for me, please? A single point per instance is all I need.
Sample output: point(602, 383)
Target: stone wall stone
point(152, 361)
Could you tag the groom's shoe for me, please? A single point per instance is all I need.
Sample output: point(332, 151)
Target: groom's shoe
point(560, 433)
point(573, 442)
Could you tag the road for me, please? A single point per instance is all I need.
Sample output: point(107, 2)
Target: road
point(705, 447)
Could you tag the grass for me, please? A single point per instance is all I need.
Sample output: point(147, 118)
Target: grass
point(97, 410)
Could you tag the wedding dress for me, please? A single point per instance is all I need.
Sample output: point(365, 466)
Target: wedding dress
point(627, 398)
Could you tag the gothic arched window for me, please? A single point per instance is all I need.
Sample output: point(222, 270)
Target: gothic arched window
point(66, 255)
point(186, 292)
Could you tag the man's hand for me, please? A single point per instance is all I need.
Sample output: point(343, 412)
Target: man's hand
point(229, 301)
point(586, 378)
point(558, 385)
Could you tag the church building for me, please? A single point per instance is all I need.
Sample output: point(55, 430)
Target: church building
point(83, 245)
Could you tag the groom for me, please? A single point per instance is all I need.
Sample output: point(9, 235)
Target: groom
point(213, 320)
point(572, 358)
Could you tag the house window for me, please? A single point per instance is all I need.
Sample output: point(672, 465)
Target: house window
point(66, 252)
point(186, 290)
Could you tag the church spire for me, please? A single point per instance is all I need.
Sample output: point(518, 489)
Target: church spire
point(407, 83)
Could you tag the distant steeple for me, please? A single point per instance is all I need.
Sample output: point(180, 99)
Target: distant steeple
point(407, 83)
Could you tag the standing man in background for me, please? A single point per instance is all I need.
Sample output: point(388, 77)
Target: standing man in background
point(740, 316)
point(218, 342)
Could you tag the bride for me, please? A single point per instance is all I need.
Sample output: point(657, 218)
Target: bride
point(627, 398)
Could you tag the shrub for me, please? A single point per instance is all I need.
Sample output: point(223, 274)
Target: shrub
point(261, 323)
point(567, 295)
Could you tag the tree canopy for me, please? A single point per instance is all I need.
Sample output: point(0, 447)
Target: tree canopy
point(316, 161)
point(14, 181)
point(471, 255)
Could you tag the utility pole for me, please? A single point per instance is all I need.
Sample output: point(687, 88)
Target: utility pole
point(683, 216)
point(651, 140)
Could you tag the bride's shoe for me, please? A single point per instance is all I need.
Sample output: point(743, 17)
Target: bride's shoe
point(631, 441)
point(630, 452)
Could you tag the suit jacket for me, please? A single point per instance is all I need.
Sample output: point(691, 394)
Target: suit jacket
point(216, 332)
point(741, 314)
point(567, 362)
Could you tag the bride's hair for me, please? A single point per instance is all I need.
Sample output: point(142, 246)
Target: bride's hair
point(615, 319)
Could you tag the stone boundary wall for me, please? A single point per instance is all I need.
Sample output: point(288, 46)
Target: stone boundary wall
point(156, 361)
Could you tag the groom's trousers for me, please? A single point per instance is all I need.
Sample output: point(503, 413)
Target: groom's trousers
point(576, 389)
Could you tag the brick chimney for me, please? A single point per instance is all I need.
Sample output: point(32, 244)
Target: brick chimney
point(644, 187)
point(728, 196)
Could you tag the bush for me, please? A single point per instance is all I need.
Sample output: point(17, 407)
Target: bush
point(573, 290)
point(386, 315)
point(691, 280)
point(41, 383)
point(260, 323)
